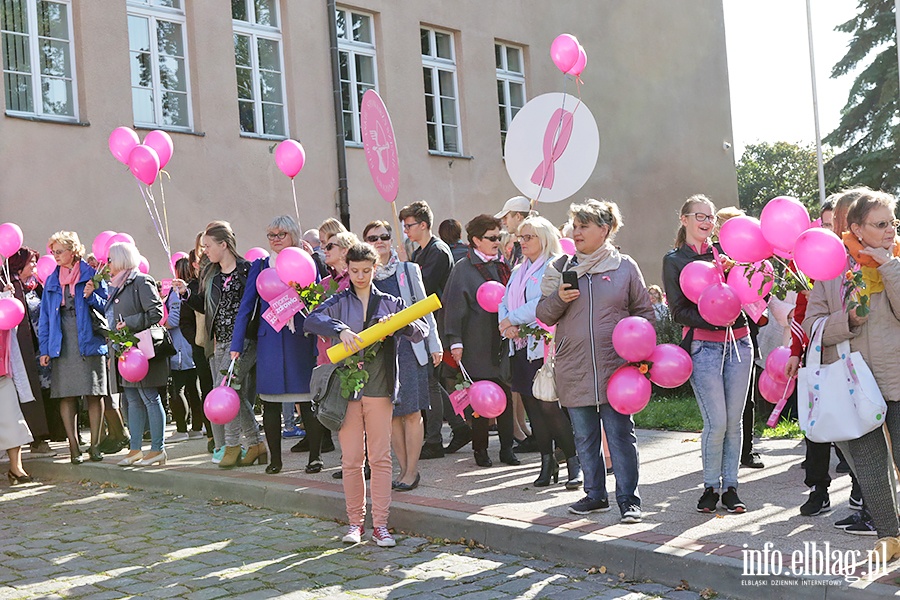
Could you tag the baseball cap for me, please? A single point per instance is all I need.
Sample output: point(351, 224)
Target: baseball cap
point(515, 204)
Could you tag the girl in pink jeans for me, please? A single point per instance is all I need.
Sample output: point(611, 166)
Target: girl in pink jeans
point(368, 420)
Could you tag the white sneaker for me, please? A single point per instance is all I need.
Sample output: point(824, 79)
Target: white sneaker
point(632, 515)
point(178, 436)
point(353, 535)
point(193, 435)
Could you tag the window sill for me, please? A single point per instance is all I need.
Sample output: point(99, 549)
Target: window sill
point(269, 138)
point(170, 130)
point(450, 155)
point(353, 145)
point(40, 119)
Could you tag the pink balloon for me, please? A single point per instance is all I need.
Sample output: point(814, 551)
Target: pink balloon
point(719, 304)
point(133, 365)
point(784, 255)
point(776, 363)
point(696, 277)
point(634, 338)
point(122, 141)
point(144, 265)
point(295, 265)
point(542, 325)
point(564, 51)
point(45, 267)
point(487, 399)
point(176, 257)
point(256, 253)
point(671, 366)
point(144, 163)
point(752, 290)
point(568, 246)
point(782, 220)
point(162, 143)
point(269, 285)
point(10, 239)
point(773, 391)
point(222, 405)
point(119, 238)
point(101, 245)
point(628, 391)
point(489, 295)
point(742, 239)
point(580, 63)
point(290, 157)
point(820, 254)
point(12, 311)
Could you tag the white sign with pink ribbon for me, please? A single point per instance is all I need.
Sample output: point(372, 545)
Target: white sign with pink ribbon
point(552, 147)
point(282, 309)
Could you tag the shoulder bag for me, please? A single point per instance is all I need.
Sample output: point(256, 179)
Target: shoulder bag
point(544, 387)
point(840, 401)
point(329, 406)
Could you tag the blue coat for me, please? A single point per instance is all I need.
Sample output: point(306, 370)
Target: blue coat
point(50, 331)
point(284, 360)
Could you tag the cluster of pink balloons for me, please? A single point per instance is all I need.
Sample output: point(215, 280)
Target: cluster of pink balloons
point(773, 382)
point(222, 404)
point(489, 295)
point(703, 284)
point(290, 157)
point(133, 365)
point(784, 229)
point(629, 389)
point(293, 266)
point(568, 55)
point(144, 160)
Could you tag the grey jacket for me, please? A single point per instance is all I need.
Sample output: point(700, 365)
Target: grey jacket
point(138, 303)
point(585, 358)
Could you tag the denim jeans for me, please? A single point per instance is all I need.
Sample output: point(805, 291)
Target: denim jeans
point(244, 424)
point(721, 390)
point(586, 421)
point(287, 415)
point(144, 403)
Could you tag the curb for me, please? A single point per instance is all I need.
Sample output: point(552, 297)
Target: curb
point(665, 564)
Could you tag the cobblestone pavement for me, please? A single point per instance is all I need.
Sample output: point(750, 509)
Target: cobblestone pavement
point(65, 539)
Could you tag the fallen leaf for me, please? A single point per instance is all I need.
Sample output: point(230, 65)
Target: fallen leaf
point(602, 570)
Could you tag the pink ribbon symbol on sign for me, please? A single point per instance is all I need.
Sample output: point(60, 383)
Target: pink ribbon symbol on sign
point(560, 128)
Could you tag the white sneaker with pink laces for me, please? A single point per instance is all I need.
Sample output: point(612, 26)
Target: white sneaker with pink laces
point(354, 535)
point(383, 537)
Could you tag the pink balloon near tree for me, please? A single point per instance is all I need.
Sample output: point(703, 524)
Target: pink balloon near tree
point(634, 338)
point(11, 239)
point(820, 254)
point(782, 221)
point(628, 391)
point(487, 399)
point(752, 289)
point(696, 277)
point(489, 295)
point(742, 239)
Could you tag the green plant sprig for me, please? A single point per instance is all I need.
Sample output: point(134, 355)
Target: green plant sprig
point(121, 340)
point(352, 372)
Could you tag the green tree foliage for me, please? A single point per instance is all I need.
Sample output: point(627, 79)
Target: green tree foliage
point(869, 129)
point(766, 170)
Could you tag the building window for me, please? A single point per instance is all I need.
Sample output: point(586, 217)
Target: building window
point(356, 54)
point(160, 91)
point(258, 64)
point(510, 84)
point(38, 63)
point(441, 95)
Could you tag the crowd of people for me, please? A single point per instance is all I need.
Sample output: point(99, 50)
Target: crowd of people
point(65, 350)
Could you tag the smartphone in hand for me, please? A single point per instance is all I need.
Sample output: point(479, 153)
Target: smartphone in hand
point(570, 277)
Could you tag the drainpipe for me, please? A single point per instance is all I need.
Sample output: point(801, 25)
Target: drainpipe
point(343, 197)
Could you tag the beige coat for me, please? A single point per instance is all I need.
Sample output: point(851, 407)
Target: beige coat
point(877, 339)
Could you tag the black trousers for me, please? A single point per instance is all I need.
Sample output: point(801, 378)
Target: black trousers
point(186, 395)
point(480, 425)
point(204, 377)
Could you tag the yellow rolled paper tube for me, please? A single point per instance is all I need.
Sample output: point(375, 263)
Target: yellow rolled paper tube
point(381, 330)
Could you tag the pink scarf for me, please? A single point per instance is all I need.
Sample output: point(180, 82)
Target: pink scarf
point(4, 352)
point(69, 277)
point(515, 289)
point(119, 279)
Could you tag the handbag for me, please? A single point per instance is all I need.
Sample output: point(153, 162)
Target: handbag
point(328, 404)
point(506, 375)
point(544, 386)
point(99, 324)
point(840, 401)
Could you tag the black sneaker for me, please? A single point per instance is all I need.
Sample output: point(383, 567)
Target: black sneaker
point(731, 501)
point(708, 501)
point(855, 503)
point(459, 439)
point(852, 519)
point(864, 526)
point(818, 503)
point(586, 506)
point(751, 461)
point(435, 450)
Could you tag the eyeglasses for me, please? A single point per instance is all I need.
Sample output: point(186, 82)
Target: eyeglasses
point(60, 252)
point(277, 236)
point(492, 238)
point(384, 237)
point(330, 246)
point(700, 217)
point(527, 237)
point(882, 225)
point(407, 226)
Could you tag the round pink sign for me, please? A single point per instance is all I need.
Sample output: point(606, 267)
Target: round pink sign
point(380, 146)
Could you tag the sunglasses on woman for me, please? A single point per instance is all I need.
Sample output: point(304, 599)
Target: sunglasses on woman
point(384, 237)
point(491, 238)
point(882, 225)
point(330, 246)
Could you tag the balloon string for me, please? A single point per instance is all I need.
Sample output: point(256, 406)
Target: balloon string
point(464, 373)
point(230, 374)
point(162, 192)
point(150, 212)
point(294, 191)
point(160, 222)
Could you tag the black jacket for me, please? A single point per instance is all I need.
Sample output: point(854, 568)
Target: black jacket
point(196, 299)
point(435, 260)
point(681, 308)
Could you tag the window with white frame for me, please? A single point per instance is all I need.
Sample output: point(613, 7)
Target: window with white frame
point(441, 94)
point(356, 55)
point(160, 90)
point(258, 65)
point(510, 84)
point(38, 58)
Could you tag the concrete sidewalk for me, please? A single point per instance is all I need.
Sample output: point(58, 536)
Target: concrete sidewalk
point(500, 508)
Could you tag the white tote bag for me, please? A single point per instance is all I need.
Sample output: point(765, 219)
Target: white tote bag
point(840, 401)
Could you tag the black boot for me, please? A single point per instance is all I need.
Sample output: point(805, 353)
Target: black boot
point(509, 457)
point(549, 470)
point(576, 479)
